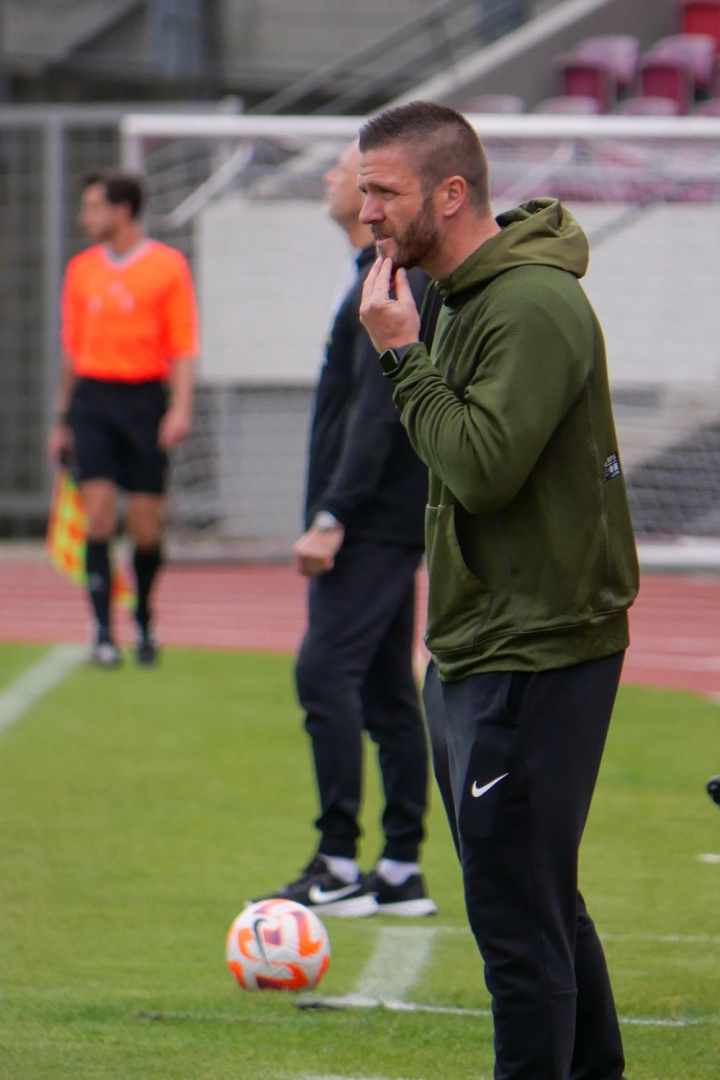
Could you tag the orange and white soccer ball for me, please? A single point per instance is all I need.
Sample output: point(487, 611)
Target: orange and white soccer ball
point(277, 945)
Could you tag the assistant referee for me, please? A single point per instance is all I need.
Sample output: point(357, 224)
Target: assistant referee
point(129, 337)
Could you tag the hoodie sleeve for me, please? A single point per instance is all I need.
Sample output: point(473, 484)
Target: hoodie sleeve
point(533, 353)
point(370, 432)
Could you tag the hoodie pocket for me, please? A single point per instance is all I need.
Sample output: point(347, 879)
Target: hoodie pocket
point(458, 602)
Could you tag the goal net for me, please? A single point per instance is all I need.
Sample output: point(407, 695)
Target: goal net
point(242, 197)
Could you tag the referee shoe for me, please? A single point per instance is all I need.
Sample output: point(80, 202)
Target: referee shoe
point(105, 654)
point(147, 650)
point(326, 894)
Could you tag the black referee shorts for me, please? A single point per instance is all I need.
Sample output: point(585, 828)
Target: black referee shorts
point(115, 432)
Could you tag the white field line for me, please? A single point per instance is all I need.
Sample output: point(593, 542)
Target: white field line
point(306, 1076)
point(400, 953)
point(353, 1001)
point(665, 939)
point(395, 965)
point(37, 681)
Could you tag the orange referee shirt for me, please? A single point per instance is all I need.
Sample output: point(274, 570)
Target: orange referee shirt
point(128, 318)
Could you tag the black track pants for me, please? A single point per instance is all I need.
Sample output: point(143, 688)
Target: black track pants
point(516, 758)
point(354, 673)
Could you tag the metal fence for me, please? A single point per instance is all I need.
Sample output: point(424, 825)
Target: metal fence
point(216, 489)
point(647, 192)
point(42, 151)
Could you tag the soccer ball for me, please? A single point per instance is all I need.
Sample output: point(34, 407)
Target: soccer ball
point(277, 945)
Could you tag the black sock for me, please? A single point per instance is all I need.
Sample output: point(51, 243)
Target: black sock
point(146, 563)
point(97, 566)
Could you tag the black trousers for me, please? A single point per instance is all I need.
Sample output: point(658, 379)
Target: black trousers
point(516, 758)
point(354, 674)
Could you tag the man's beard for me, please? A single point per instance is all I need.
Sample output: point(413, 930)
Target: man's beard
point(419, 238)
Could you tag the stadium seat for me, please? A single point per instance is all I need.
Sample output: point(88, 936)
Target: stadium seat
point(494, 103)
point(701, 17)
point(569, 105)
point(580, 76)
point(619, 51)
point(711, 107)
point(700, 51)
point(661, 68)
point(664, 78)
point(648, 106)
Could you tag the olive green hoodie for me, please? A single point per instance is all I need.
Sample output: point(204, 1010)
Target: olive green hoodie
point(530, 549)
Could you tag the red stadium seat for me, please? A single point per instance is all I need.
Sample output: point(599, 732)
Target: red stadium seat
point(569, 105)
point(580, 76)
point(648, 106)
point(619, 51)
point(697, 51)
point(666, 79)
point(494, 103)
point(701, 17)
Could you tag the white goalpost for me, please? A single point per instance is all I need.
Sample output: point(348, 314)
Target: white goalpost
point(242, 196)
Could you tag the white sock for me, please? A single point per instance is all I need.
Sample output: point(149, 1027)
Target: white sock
point(345, 869)
point(396, 873)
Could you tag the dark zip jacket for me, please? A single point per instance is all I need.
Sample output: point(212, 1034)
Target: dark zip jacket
point(361, 465)
point(530, 548)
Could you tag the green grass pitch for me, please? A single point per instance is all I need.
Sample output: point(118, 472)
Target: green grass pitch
point(138, 809)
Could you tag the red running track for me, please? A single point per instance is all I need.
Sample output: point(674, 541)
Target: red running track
point(675, 623)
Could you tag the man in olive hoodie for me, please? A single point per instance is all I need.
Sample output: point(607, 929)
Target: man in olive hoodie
point(531, 562)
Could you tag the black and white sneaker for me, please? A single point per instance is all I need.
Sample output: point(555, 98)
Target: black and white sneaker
point(105, 654)
point(409, 899)
point(326, 894)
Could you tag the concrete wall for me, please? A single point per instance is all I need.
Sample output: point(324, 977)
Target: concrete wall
point(299, 35)
point(521, 62)
point(268, 274)
point(653, 284)
point(266, 298)
point(54, 27)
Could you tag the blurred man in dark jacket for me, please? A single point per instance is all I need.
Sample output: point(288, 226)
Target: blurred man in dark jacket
point(366, 495)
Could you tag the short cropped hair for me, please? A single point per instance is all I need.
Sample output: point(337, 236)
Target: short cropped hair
point(120, 187)
point(445, 144)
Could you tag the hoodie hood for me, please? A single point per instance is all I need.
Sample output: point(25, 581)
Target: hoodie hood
point(538, 233)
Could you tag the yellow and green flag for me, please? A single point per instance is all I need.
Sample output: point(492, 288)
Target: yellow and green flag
point(67, 536)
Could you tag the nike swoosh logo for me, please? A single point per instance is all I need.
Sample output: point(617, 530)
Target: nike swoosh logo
point(478, 791)
point(317, 896)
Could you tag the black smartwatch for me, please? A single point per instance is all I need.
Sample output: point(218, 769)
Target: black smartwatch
point(393, 359)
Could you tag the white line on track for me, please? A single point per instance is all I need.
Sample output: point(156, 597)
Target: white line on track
point(34, 683)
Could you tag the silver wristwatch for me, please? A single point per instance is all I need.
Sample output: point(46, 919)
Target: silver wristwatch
point(324, 521)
